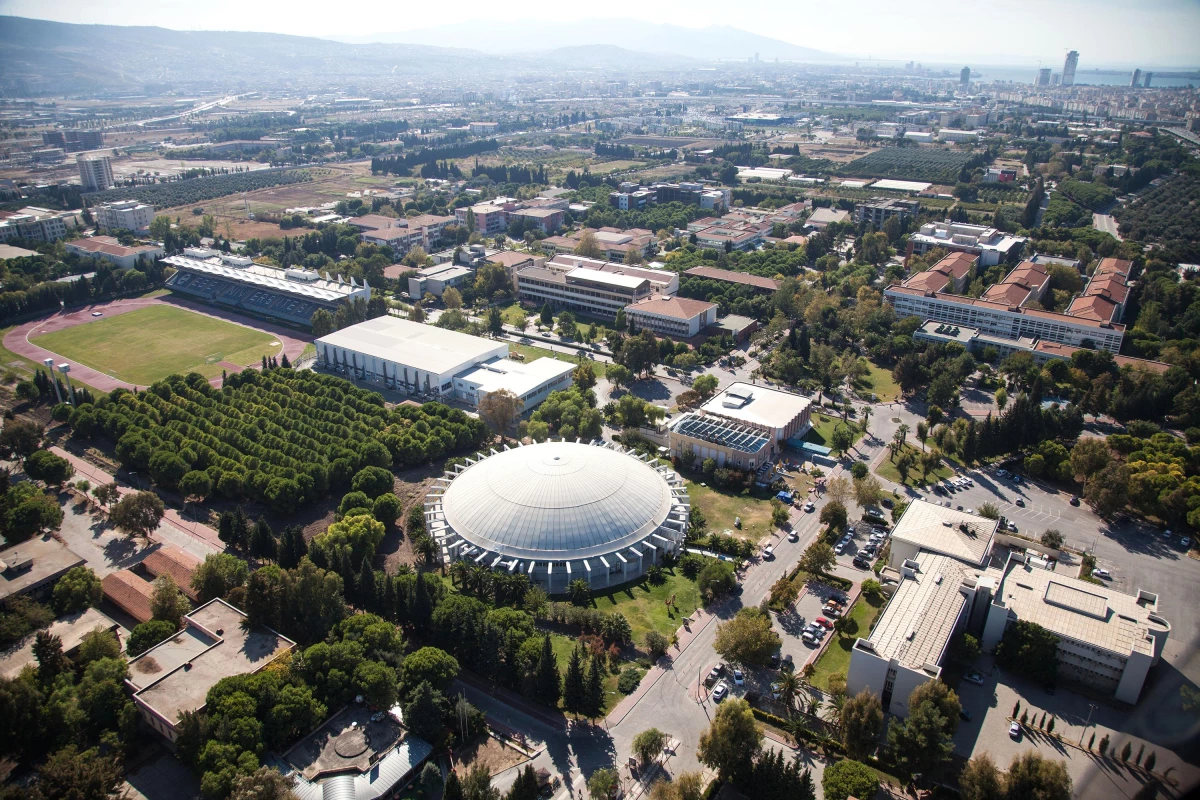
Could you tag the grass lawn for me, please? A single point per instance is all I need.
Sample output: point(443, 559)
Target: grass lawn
point(645, 605)
point(879, 381)
point(822, 430)
point(511, 313)
point(562, 646)
point(149, 344)
point(887, 469)
point(836, 657)
point(721, 506)
point(309, 351)
point(531, 353)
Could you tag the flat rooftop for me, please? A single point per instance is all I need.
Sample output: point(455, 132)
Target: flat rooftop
point(175, 675)
point(940, 529)
point(919, 620)
point(70, 629)
point(1084, 612)
point(760, 405)
point(32, 563)
point(606, 278)
point(519, 377)
point(423, 347)
point(725, 433)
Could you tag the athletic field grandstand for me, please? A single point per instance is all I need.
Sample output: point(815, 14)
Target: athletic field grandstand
point(292, 295)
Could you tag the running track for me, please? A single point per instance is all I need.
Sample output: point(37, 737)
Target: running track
point(17, 340)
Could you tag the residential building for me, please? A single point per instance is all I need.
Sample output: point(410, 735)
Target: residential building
point(32, 567)
point(489, 219)
point(95, 172)
point(951, 274)
point(964, 77)
point(1069, 65)
point(1107, 640)
point(587, 290)
point(668, 315)
point(74, 140)
point(823, 217)
point(661, 281)
point(112, 251)
point(237, 282)
point(216, 642)
point(437, 279)
point(1002, 320)
point(992, 246)
point(757, 282)
point(880, 209)
point(36, 224)
point(128, 215)
point(1043, 77)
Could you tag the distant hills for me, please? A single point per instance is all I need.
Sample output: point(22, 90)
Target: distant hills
point(526, 36)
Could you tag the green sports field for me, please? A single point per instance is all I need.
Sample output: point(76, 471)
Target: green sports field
point(146, 345)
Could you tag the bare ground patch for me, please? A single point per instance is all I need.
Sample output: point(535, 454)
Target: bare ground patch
point(490, 752)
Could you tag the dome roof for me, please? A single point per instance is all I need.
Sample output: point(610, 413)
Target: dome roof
point(557, 501)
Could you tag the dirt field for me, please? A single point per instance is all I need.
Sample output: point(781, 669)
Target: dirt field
point(490, 752)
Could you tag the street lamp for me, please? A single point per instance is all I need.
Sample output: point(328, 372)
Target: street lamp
point(1091, 708)
point(49, 362)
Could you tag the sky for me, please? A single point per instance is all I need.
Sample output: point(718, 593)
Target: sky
point(1106, 32)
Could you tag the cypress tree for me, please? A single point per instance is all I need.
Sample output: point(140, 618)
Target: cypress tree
point(262, 541)
point(453, 788)
point(346, 570)
point(594, 689)
point(225, 527)
point(421, 605)
point(240, 527)
point(574, 689)
point(547, 682)
point(366, 586)
point(388, 602)
point(283, 362)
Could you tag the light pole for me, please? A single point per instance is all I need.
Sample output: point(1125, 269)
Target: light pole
point(1091, 708)
point(49, 362)
point(65, 369)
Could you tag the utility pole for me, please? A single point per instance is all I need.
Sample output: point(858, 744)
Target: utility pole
point(1091, 708)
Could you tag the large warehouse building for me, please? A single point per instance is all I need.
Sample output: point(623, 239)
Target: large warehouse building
point(559, 512)
point(435, 362)
point(237, 282)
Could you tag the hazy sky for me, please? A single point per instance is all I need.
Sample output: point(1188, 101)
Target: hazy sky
point(1106, 32)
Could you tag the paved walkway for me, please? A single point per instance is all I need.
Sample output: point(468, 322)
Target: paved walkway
point(17, 340)
point(98, 476)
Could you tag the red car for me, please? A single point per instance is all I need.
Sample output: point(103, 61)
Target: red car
point(824, 623)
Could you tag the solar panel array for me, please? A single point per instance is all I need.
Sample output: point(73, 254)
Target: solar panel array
point(733, 435)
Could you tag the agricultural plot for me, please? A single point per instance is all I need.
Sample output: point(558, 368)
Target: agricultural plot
point(147, 345)
point(198, 190)
point(910, 163)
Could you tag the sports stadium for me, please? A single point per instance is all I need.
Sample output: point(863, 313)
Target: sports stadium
point(560, 512)
point(237, 282)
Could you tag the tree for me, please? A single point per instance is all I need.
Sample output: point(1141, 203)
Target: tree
point(618, 375)
point(838, 490)
point(19, 438)
point(48, 652)
point(546, 316)
point(453, 789)
point(716, 578)
point(1028, 649)
point(31, 517)
point(69, 774)
point(167, 602)
point(747, 638)
point(779, 513)
point(265, 783)
point(705, 385)
point(1089, 455)
point(452, 298)
point(579, 592)
point(920, 741)
point(648, 744)
point(862, 719)
point(834, 515)
point(78, 589)
point(373, 482)
point(547, 680)
point(656, 644)
point(573, 690)
point(1033, 776)
point(498, 409)
point(44, 466)
point(818, 558)
point(980, 780)
point(584, 375)
point(137, 514)
point(477, 785)
point(148, 634)
point(1108, 490)
point(588, 247)
point(988, 510)
point(196, 485)
point(841, 439)
point(849, 778)
point(262, 541)
point(867, 492)
point(603, 784)
point(98, 643)
point(376, 682)
point(731, 742)
point(1052, 539)
point(430, 665)
point(421, 713)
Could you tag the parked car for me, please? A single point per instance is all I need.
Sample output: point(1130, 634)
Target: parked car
point(808, 637)
point(809, 506)
point(719, 693)
point(1074, 500)
point(964, 714)
point(824, 623)
point(1185, 541)
point(864, 553)
point(974, 677)
point(832, 611)
point(774, 660)
point(861, 563)
point(788, 665)
point(793, 536)
point(739, 677)
point(714, 675)
point(768, 553)
point(1100, 572)
point(887, 502)
point(1014, 731)
point(1020, 502)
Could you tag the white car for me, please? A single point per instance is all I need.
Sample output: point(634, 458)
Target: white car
point(809, 506)
point(1014, 730)
point(768, 553)
point(1102, 573)
point(739, 677)
point(719, 692)
point(793, 536)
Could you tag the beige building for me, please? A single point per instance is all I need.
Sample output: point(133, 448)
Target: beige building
point(677, 317)
point(95, 172)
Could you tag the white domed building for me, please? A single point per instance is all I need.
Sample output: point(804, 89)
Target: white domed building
point(558, 512)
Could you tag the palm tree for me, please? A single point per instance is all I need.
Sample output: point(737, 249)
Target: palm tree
point(902, 432)
point(866, 415)
point(833, 712)
point(789, 690)
point(459, 571)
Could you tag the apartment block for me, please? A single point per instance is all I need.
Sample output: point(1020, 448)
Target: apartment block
point(880, 210)
point(129, 215)
point(95, 172)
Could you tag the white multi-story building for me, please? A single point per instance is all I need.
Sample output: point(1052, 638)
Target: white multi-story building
point(39, 225)
point(127, 215)
point(95, 172)
point(588, 290)
point(678, 317)
point(1001, 319)
point(992, 246)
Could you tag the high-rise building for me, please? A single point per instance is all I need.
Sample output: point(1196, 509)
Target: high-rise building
point(1068, 73)
point(1149, 77)
point(1043, 77)
point(964, 77)
point(95, 173)
point(1136, 80)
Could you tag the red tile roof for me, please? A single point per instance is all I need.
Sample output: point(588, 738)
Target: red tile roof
point(713, 273)
point(1096, 307)
point(129, 593)
point(677, 307)
point(992, 306)
point(177, 563)
point(956, 264)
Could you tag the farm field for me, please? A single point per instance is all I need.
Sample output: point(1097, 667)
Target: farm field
point(909, 163)
point(146, 345)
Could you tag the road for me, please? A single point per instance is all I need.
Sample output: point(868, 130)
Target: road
point(1105, 223)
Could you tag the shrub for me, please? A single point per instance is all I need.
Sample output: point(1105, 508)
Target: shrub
point(849, 778)
point(629, 680)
